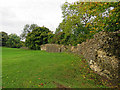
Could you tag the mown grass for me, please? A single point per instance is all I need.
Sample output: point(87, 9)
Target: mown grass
point(40, 69)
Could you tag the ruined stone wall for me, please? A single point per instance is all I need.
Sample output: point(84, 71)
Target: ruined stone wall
point(53, 48)
point(102, 53)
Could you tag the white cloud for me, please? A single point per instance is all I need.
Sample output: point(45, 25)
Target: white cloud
point(14, 14)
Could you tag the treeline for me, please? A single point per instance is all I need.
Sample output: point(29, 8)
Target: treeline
point(11, 40)
point(81, 20)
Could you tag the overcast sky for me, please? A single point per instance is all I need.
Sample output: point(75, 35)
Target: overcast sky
point(14, 14)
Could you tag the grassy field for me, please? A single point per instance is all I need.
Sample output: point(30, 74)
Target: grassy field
point(39, 69)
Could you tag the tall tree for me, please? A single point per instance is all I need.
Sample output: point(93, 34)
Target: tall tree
point(84, 19)
point(100, 15)
point(3, 38)
point(27, 29)
point(13, 41)
point(37, 37)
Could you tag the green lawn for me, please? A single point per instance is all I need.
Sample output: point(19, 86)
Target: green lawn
point(40, 69)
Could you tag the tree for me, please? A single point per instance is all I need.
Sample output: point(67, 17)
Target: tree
point(100, 15)
point(72, 21)
point(13, 41)
point(37, 37)
point(50, 37)
point(64, 38)
point(83, 19)
point(27, 29)
point(72, 24)
point(58, 38)
point(4, 38)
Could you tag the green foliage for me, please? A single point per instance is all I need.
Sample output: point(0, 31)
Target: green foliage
point(3, 38)
point(13, 41)
point(50, 37)
point(22, 43)
point(72, 25)
point(27, 29)
point(37, 37)
point(106, 15)
point(58, 38)
point(83, 19)
point(62, 38)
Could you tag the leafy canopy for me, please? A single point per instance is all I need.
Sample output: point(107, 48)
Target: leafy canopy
point(27, 29)
point(37, 37)
point(3, 38)
point(13, 41)
point(84, 19)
